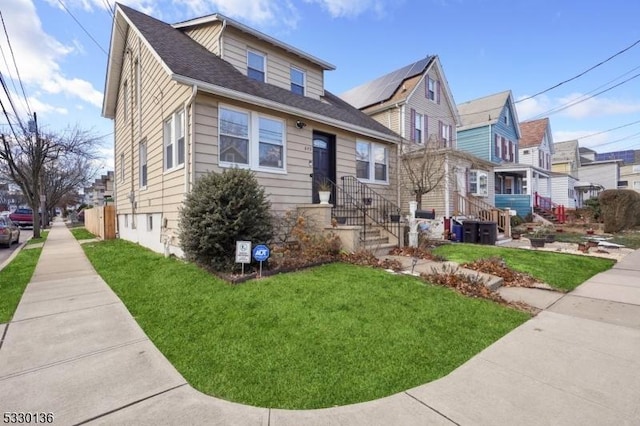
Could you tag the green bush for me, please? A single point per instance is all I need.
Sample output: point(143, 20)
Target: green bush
point(593, 208)
point(516, 221)
point(224, 208)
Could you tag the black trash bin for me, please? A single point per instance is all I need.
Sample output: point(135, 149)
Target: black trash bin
point(470, 231)
point(487, 233)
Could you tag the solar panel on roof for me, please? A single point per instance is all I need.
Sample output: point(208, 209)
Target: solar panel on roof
point(384, 87)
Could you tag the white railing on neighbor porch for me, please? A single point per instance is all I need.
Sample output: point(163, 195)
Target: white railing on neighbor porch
point(481, 210)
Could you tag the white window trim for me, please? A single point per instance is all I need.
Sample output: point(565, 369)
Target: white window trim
point(435, 88)
point(372, 165)
point(479, 174)
point(264, 62)
point(254, 142)
point(142, 145)
point(174, 142)
point(419, 125)
point(304, 78)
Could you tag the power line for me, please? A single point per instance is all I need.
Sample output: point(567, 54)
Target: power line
point(585, 96)
point(582, 73)
point(569, 105)
point(83, 28)
point(610, 130)
point(14, 64)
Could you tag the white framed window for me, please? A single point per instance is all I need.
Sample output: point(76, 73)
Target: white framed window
point(122, 167)
point(252, 140)
point(445, 134)
point(498, 147)
point(174, 141)
point(636, 184)
point(431, 89)
point(256, 65)
point(506, 117)
point(298, 80)
point(636, 168)
point(372, 162)
point(479, 183)
point(418, 128)
point(143, 163)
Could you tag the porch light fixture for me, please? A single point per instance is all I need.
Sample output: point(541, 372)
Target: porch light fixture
point(300, 124)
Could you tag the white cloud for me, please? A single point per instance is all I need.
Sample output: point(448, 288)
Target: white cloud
point(38, 57)
point(350, 8)
point(530, 108)
point(255, 12)
point(581, 107)
point(576, 106)
point(563, 135)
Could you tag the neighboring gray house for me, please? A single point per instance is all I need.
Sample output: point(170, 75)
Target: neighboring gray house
point(595, 172)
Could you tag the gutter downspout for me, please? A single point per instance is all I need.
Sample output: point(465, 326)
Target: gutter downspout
point(189, 167)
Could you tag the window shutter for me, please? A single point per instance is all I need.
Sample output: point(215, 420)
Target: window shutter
point(510, 151)
point(426, 87)
point(497, 147)
point(440, 134)
point(413, 126)
point(505, 154)
point(438, 92)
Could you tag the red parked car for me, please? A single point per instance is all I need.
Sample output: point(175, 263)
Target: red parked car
point(22, 217)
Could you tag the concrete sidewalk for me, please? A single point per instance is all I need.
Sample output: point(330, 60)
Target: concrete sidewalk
point(74, 350)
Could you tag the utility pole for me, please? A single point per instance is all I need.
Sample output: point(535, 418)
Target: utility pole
point(39, 200)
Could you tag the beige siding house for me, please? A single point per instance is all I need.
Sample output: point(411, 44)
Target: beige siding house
point(211, 93)
point(416, 102)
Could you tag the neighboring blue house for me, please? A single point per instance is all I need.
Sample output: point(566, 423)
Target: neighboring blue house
point(491, 130)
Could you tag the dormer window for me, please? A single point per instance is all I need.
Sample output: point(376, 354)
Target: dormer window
point(298, 78)
point(256, 65)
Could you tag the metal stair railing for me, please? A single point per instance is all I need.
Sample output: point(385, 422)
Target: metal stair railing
point(359, 204)
point(549, 207)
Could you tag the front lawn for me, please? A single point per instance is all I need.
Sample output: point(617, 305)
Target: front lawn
point(42, 239)
point(14, 279)
point(560, 270)
point(82, 234)
point(331, 335)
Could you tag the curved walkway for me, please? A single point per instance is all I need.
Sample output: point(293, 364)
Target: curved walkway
point(73, 349)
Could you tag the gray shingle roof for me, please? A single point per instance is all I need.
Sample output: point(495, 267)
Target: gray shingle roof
point(186, 58)
point(482, 111)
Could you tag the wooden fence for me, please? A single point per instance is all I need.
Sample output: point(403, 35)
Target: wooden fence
point(101, 221)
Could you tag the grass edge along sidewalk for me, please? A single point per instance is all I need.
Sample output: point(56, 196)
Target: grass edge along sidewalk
point(561, 271)
point(331, 335)
point(16, 275)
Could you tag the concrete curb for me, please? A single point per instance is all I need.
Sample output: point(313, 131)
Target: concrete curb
point(13, 255)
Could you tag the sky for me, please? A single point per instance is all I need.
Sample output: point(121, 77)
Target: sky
point(54, 54)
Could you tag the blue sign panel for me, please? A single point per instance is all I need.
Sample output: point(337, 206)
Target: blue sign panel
point(261, 253)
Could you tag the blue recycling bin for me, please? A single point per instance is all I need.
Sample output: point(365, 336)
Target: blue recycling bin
point(456, 230)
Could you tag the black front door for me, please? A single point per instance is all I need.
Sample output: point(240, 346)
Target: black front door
point(324, 161)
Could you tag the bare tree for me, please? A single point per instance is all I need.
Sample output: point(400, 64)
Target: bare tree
point(423, 167)
point(24, 159)
point(63, 178)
